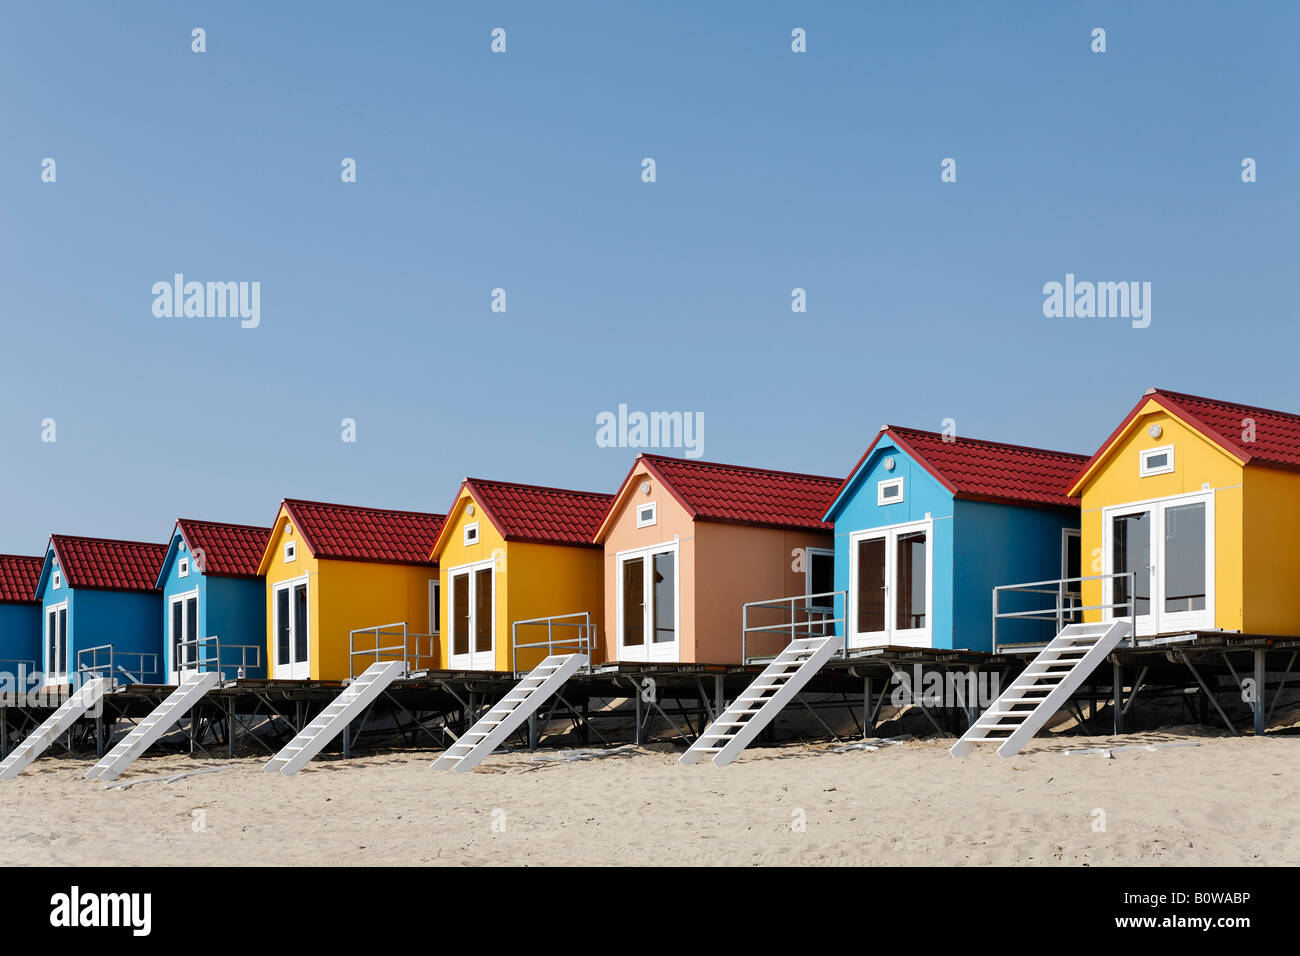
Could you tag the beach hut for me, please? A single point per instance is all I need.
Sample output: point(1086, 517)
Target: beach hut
point(926, 525)
point(687, 542)
point(20, 614)
point(1201, 499)
point(214, 602)
point(102, 609)
point(511, 553)
point(333, 569)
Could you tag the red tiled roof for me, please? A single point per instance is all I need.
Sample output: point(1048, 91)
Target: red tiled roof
point(742, 495)
point(18, 577)
point(109, 565)
point(544, 515)
point(346, 533)
point(987, 470)
point(1277, 434)
point(229, 550)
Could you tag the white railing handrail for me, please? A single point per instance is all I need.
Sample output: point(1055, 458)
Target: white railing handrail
point(582, 643)
point(202, 665)
point(112, 668)
point(1065, 607)
point(824, 619)
point(409, 649)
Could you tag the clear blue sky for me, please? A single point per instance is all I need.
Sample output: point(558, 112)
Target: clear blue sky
point(523, 171)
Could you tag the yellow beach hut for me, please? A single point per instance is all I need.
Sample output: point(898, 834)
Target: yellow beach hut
point(1200, 500)
point(510, 554)
point(331, 569)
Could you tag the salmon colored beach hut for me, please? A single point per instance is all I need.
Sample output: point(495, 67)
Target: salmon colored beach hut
point(687, 543)
point(333, 569)
point(519, 559)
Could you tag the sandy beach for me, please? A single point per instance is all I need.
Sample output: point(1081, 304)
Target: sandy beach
point(1223, 801)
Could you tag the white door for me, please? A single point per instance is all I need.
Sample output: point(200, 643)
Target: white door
point(890, 588)
point(182, 631)
point(648, 605)
point(292, 642)
point(1169, 543)
point(472, 609)
point(56, 644)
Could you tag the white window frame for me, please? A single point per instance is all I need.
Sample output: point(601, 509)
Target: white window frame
point(294, 670)
point(1159, 620)
point(881, 500)
point(53, 677)
point(654, 514)
point(1146, 471)
point(183, 568)
point(290, 552)
point(56, 580)
point(808, 588)
point(472, 660)
point(649, 650)
point(469, 534)
point(1077, 586)
point(892, 635)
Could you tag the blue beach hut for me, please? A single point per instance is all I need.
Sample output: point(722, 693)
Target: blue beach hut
point(20, 614)
point(927, 524)
point(100, 610)
point(213, 600)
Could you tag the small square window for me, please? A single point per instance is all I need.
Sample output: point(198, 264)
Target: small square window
point(471, 533)
point(889, 492)
point(183, 568)
point(647, 514)
point(290, 551)
point(1156, 461)
point(56, 580)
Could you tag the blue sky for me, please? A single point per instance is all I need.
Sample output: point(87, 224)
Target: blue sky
point(522, 170)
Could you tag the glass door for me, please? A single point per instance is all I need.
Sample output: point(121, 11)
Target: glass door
point(473, 619)
point(1168, 544)
point(183, 629)
point(291, 631)
point(648, 605)
point(890, 593)
point(56, 644)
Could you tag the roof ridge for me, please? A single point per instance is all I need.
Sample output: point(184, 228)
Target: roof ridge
point(989, 441)
point(749, 468)
point(224, 524)
point(370, 508)
point(531, 487)
point(82, 537)
point(1221, 401)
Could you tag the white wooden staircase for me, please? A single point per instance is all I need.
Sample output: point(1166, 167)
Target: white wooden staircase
point(1042, 688)
point(520, 702)
point(161, 719)
point(331, 721)
point(762, 700)
point(68, 713)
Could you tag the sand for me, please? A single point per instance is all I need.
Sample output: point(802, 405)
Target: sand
point(1224, 801)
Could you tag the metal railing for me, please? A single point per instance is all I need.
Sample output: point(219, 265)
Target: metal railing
point(416, 651)
point(1067, 607)
point(819, 619)
point(107, 661)
point(581, 642)
point(193, 656)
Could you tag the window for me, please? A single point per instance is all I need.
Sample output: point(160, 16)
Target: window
point(183, 568)
point(56, 581)
point(1156, 461)
point(435, 606)
point(646, 515)
point(290, 551)
point(889, 492)
point(471, 533)
point(1071, 568)
point(820, 580)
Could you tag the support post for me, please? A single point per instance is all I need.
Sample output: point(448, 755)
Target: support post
point(1117, 688)
point(868, 718)
point(1261, 718)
